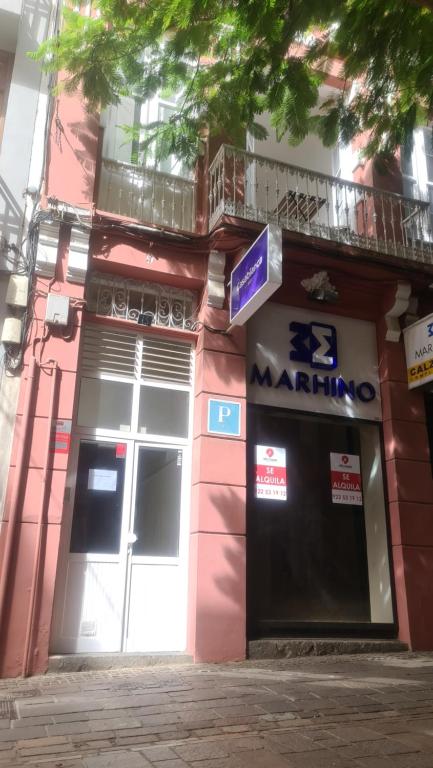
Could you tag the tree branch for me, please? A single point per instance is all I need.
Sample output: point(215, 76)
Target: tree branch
point(423, 4)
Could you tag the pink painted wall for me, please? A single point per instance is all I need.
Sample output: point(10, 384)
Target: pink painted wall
point(410, 495)
point(217, 588)
point(183, 265)
point(70, 173)
point(65, 352)
point(73, 146)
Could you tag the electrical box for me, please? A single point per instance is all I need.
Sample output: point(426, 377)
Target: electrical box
point(5, 262)
point(18, 291)
point(57, 310)
point(11, 331)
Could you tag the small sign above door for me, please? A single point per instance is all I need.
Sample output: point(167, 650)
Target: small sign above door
point(102, 480)
point(224, 418)
point(120, 450)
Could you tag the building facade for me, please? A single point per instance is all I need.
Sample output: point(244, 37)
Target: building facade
point(24, 117)
point(182, 484)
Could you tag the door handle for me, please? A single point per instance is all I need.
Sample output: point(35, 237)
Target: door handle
point(132, 538)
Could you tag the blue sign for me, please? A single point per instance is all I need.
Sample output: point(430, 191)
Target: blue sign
point(224, 418)
point(314, 344)
point(257, 276)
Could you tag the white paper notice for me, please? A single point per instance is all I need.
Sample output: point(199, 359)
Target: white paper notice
point(102, 480)
point(271, 474)
point(346, 479)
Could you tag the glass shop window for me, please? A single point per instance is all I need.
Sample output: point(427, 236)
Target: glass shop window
point(319, 556)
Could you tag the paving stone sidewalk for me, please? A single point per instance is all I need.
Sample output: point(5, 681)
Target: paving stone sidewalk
point(340, 712)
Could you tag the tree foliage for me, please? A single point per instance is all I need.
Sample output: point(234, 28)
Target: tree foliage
point(233, 60)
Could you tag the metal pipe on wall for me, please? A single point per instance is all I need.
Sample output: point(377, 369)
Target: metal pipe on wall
point(26, 669)
point(14, 505)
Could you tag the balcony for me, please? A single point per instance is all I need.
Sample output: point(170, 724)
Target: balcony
point(154, 198)
point(252, 187)
point(256, 188)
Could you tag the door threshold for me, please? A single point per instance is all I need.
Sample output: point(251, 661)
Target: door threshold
point(290, 647)
point(86, 662)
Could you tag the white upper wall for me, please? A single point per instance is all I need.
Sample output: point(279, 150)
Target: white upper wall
point(10, 11)
point(11, 6)
point(309, 154)
point(19, 135)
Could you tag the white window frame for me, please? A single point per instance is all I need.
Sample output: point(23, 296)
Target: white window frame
point(137, 383)
point(421, 185)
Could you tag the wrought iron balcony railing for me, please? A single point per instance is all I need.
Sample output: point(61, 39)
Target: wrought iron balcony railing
point(259, 189)
point(149, 196)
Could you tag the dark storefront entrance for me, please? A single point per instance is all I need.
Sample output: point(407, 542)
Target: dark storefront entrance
point(316, 566)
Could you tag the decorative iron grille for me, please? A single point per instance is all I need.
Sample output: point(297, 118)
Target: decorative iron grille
point(145, 303)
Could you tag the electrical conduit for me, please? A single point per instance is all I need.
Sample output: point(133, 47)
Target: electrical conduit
point(16, 495)
point(27, 661)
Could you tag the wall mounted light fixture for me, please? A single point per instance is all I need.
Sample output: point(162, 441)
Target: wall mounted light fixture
point(320, 288)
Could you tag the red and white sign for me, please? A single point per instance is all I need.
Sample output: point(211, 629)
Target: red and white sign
point(346, 479)
point(120, 450)
point(271, 474)
point(61, 435)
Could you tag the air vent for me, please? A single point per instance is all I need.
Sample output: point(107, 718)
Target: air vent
point(166, 360)
point(108, 351)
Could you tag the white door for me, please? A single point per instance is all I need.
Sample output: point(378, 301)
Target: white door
point(155, 617)
point(122, 580)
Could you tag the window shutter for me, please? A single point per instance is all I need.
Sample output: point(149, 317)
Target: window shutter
point(166, 360)
point(133, 356)
point(109, 351)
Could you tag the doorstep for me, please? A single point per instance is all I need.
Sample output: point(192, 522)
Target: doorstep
point(289, 647)
point(83, 662)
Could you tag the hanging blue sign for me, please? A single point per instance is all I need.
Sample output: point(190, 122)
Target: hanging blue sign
point(257, 276)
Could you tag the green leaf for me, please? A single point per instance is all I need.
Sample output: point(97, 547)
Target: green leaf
point(233, 61)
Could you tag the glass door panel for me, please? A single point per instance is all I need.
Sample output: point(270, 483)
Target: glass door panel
point(312, 561)
point(157, 502)
point(97, 516)
point(90, 603)
point(124, 577)
point(156, 584)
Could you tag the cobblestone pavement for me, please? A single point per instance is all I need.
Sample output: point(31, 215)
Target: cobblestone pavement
point(345, 712)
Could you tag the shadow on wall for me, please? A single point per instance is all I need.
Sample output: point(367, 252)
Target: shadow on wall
point(85, 133)
point(16, 149)
point(38, 14)
point(10, 214)
point(221, 604)
point(22, 575)
point(34, 24)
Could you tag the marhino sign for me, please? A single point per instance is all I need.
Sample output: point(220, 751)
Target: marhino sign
point(313, 361)
point(418, 343)
point(315, 345)
point(256, 277)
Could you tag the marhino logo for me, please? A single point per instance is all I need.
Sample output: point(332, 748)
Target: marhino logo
point(314, 344)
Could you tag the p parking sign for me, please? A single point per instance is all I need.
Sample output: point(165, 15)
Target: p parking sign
point(224, 418)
